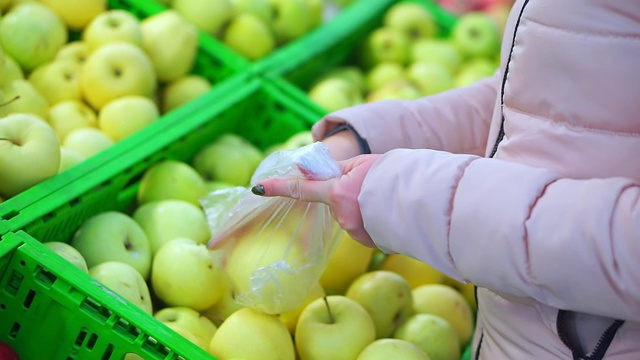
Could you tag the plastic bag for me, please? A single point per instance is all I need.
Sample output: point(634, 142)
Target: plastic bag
point(274, 249)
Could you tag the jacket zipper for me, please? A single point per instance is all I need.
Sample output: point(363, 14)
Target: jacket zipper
point(602, 344)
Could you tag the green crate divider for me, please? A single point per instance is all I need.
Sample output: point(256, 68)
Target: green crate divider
point(214, 62)
point(51, 310)
point(257, 110)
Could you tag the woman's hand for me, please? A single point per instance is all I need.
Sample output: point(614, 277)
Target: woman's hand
point(340, 194)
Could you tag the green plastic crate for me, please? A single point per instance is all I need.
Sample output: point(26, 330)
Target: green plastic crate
point(50, 310)
point(213, 62)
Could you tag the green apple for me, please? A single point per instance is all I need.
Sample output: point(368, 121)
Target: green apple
point(171, 43)
point(87, 141)
point(474, 70)
point(475, 34)
point(230, 159)
point(298, 140)
point(317, 8)
point(12, 71)
point(209, 16)
point(433, 334)
point(333, 327)
point(387, 298)
point(164, 220)
point(413, 19)
point(414, 271)
point(66, 116)
point(385, 44)
point(57, 80)
point(29, 153)
point(23, 97)
point(389, 348)
point(250, 36)
point(69, 253)
point(188, 319)
point(69, 159)
point(124, 280)
point(183, 273)
point(126, 115)
point(113, 236)
point(449, 304)
point(335, 93)
point(259, 8)
point(349, 260)
point(290, 318)
point(213, 185)
point(111, 26)
point(76, 51)
point(384, 73)
point(114, 70)
point(290, 19)
point(224, 307)
point(76, 14)
point(250, 334)
point(182, 90)
point(440, 51)
point(171, 179)
point(31, 33)
point(397, 90)
point(351, 73)
point(430, 78)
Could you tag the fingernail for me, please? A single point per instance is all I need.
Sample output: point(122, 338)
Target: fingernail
point(258, 190)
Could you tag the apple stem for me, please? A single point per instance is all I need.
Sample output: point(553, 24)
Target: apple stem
point(10, 101)
point(332, 320)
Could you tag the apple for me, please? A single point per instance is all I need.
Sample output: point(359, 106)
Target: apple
point(387, 298)
point(7, 352)
point(31, 34)
point(225, 306)
point(298, 140)
point(113, 236)
point(430, 78)
point(12, 71)
point(397, 90)
point(57, 80)
point(475, 34)
point(115, 25)
point(449, 304)
point(250, 334)
point(385, 44)
point(414, 271)
point(230, 159)
point(250, 36)
point(87, 141)
point(209, 16)
point(217, 185)
point(290, 19)
point(384, 73)
point(126, 115)
point(23, 97)
point(124, 280)
point(290, 318)
point(349, 260)
point(29, 153)
point(69, 159)
point(351, 73)
point(474, 70)
point(259, 8)
point(433, 334)
point(333, 327)
point(335, 93)
point(389, 348)
point(182, 90)
point(190, 320)
point(317, 9)
point(76, 14)
point(68, 253)
point(413, 19)
point(76, 51)
point(164, 220)
point(183, 273)
point(171, 43)
point(114, 70)
point(69, 115)
point(171, 179)
point(441, 51)
point(468, 291)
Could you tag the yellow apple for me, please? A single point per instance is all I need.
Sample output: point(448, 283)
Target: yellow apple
point(111, 26)
point(126, 115)
point(12, 71)
point(250, 36)
point(171, 179)
point(69, 159)
point(290, 318)
point(413, 19)
point(208, 15)
point(449, 304)
point(182, 90)
point(57, 80)
point(414, 271)
point(188, 319)
point(389, 348)
point(76, 14)
point(69, 253)
point(87, 141)
point(67, 116)
point(333, 327)
point(23, 97)
point(384, 73)
point(291, 19)
point(114, 70)
point(434, 335)
point(395, 90)
point(224, 307)
point(125, 281)
point(250, 334)
point(183, 273)
point(349, 260)
point(76, 51)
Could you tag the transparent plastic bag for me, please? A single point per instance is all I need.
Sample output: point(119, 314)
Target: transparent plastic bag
point(274, 249)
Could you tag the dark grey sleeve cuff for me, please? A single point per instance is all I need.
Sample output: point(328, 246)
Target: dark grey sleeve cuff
point(362, 142)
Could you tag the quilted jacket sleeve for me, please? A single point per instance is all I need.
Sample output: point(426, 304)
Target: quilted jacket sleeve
point(457, 120)
point(571, 244)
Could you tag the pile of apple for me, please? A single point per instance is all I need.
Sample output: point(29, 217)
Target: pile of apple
point(409, 56)
point(64, 98)
point(365, 305)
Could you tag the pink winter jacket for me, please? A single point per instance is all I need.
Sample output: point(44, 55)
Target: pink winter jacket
point(549, 228)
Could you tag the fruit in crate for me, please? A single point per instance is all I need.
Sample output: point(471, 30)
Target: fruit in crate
point(290, 318)
point(57, 80)
point(76, 14)
point(476, 35)
point(125, 281)
point(87, 141)
point(291, 19)
point(182, 90)
point(349, 260)
point(209, 16)
point(171, 179)
point(434, 335)
point(250, 36)
point(126, 115)
point(414, 271)
point(335, 93)
point(390, 348)
point(111, 26)
point(413, 19)
point(186, 319)
point(68, 253)
point(23, 98)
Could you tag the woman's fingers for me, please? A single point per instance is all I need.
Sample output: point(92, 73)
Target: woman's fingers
point(300, 189)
